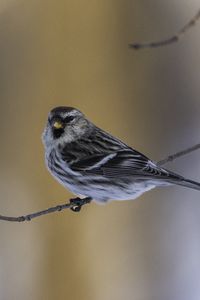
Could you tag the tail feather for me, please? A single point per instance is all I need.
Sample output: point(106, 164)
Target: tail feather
point(177, 179)
point(188, 183)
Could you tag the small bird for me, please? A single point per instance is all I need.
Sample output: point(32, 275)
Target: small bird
point(92, 163)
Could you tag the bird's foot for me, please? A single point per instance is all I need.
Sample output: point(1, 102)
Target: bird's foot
point(77, 203)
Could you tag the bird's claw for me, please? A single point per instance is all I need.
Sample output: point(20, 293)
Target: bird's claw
point(77, 203)
point(76, 208)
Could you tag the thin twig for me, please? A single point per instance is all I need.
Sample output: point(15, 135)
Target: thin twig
point(174, 38)
point(172, 157)
point(76, 204)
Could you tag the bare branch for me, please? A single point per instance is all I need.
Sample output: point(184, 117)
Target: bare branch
point(172, 157)
point(174, 38)
point(76, 203)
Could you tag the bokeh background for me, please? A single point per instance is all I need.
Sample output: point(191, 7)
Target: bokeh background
point(76, 53)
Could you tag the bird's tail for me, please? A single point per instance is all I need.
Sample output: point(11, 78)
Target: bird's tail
point(177, 179)
point(189, 183)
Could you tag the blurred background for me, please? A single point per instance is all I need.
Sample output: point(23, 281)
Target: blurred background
point(75, 53)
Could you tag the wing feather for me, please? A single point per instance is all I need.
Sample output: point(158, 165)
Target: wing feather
point(120, 164)
point(91, 157)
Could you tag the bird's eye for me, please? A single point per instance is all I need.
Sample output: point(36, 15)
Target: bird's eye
point(68, 119)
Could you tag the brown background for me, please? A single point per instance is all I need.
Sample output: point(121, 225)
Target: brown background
point(76, 53)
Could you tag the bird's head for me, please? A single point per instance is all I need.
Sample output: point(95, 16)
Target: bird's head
point(65, 125)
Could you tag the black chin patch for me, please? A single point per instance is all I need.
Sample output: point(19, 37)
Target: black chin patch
point(57, 132)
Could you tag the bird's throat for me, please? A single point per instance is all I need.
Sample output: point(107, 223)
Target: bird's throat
point(57, 132)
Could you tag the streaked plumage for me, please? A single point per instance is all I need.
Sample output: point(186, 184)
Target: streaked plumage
point(90, 162)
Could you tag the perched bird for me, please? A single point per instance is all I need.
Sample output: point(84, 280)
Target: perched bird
point(91, 162)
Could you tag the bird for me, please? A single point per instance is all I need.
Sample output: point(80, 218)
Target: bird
point(92, 163)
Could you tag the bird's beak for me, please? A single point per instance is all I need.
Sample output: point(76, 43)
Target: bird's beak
point(58, 125)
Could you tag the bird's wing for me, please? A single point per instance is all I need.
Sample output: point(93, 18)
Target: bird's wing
point(123, 163)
